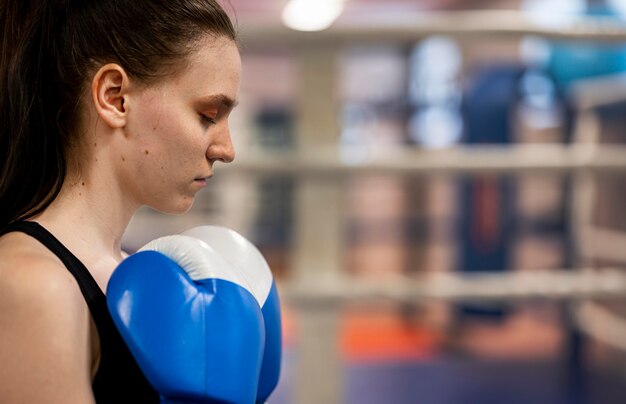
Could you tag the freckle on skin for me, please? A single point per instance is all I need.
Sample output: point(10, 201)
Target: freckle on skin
point(147, 152)
point(123, 158)
point(95, 144)
point(96, 159)
point(83, 183)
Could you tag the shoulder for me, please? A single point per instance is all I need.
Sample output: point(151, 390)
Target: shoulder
point(28, 269)
point(36, 287)
point(44, 325)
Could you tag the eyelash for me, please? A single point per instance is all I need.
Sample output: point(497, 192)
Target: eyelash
point(206, 120)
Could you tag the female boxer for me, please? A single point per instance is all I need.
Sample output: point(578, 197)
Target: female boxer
point(106, 106)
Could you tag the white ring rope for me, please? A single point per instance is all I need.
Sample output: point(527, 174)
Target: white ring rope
point(478, 287)
point(601, 324)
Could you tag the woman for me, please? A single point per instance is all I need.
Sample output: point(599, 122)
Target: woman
point(106, 106)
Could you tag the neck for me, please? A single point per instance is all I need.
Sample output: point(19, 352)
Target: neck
point(90, 216)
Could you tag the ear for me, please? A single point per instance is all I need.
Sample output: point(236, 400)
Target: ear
point(108, 89)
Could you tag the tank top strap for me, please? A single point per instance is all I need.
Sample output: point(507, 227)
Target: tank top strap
point(87, 284)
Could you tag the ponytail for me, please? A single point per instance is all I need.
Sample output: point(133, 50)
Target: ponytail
point(48, 50)
point(32, 167)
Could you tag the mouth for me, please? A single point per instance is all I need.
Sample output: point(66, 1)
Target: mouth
point(202, 180)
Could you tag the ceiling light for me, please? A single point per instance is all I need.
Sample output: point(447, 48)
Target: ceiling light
point(311, 15)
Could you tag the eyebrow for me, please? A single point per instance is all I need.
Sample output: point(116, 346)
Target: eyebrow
point(222, 99)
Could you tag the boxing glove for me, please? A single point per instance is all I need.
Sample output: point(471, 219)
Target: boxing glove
point(196, 340)
point(249, 263)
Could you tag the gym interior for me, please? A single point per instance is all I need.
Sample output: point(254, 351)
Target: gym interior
point(439, 188)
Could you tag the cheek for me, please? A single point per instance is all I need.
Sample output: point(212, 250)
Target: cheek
point(168, 141)
point(174, 145)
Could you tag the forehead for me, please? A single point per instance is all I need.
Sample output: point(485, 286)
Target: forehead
point(213, 67)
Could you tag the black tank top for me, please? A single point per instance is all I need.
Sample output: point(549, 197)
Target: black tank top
point(118, 379)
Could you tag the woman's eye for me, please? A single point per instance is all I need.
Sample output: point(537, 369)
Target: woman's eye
point(207, 120)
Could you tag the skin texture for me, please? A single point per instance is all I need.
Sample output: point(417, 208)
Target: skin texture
point(141, 145)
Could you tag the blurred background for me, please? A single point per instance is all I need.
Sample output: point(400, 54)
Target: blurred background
point(390, 154)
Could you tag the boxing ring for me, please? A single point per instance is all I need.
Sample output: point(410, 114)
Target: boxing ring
point(319, 288)
point(319, 294)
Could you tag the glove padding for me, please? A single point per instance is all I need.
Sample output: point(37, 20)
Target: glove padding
point(248, 262)
point(195, 340)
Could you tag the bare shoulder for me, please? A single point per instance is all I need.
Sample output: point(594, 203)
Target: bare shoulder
point(44, 326)
point(35, 285)
point(26, 267)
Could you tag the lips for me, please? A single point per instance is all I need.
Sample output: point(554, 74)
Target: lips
point(203, 178)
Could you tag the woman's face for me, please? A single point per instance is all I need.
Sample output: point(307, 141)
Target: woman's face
point(178, 127)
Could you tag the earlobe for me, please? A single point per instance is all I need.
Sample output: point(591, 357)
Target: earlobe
point(108, 89)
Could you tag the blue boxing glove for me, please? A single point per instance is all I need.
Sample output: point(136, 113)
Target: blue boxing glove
point(190, 320)
point(248, 261)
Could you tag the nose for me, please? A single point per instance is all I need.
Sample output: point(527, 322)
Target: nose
point(221, 149)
